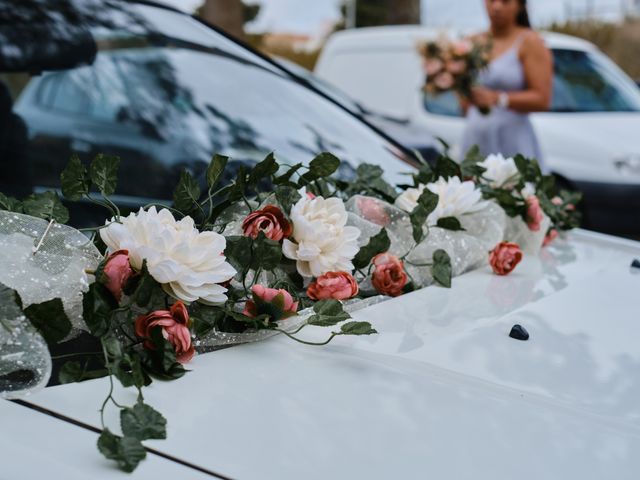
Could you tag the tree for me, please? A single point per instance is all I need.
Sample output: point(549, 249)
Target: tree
point(229, 15)
point(374, 13)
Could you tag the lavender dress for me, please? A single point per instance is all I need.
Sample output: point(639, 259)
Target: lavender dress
point(502, 130)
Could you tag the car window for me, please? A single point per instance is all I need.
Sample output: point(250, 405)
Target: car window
point(588, 82)
point(185, 96)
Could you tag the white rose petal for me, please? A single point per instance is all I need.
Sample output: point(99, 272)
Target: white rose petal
point(500, 172)
point(189, 264)
point(321, 240)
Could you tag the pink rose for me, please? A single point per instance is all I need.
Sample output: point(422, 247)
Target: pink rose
point(444, 81)
point(277, 303)
point(570, 207)
point(462, 48)
point(311, 195)
point(504, 258)
point(175, 329)
point(456, 67)
point(371, 209)
point(551, 236)
point(336, 285)
point(556, 201)
point(117, 271)
point(270, 220)
point(432, 66)
point(535, 215)
point(389, 277)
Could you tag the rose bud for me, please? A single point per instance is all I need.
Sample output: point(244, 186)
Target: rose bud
point(535, 215)
point(277, 303)
point(550, 237)
point(389, 277)
point(116, 272)
point(175, 329)
point(270, 220)
point(336, 285)
point(373, 210)
point(504, 258)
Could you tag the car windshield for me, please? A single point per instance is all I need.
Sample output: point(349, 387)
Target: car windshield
point(164, 92)
point(583, 82)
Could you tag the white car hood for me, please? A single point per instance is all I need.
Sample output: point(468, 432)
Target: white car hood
point(584, 146)
point(440, 392)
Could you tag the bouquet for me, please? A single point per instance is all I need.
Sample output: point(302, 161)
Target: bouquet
point(454, 65)
point(276, 250)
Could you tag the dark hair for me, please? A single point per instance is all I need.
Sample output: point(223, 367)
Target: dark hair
point(523, 15)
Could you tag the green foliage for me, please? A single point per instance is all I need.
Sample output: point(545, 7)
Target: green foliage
point(327, 313)
point(357, 328)
point(74, 180)
point(205, 318)
point(267, 254)
point(127, 451)
point(469, 167)
point(323, 165)
point(97, 305)
point(103, 172)
point(46, 205)
point(142, 422)
point(441, 268)
point(10, 305)
point(263, 169)
point(287, 196)
point(449, 223)
point(427, 203)
point(215, 169)
point(446, 168)
point(186, 193)
point(10, 204)
point(379, 243)
point(49, 319)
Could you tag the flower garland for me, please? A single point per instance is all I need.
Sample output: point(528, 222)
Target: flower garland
point(247, 256)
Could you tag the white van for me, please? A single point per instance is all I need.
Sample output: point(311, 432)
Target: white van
point(590, 139)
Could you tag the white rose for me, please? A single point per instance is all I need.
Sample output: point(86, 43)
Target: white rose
point(189, 264)
point(500, 172)
point(455, 198)
point(528, 190)
point(321, 240)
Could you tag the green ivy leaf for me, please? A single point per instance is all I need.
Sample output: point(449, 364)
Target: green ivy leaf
point(10, 204)
point(127, 451)
point(215, 169)
point(73, 179)
point(103, 172)
point(72, 372)
point(263, 169)
point(204, 318)
point(267, 253)
point(144, 287)
point(238, 251)
point(357, 328)
point(186, 193)
point(143, 422)
point(427, 203)
point(441, 268)
point(46, 205)
point(10, 305)
point(49, 319)
point(285, 178)
point(379, 243)
point(446, 167)
point(287, 197)
point(323, 165)
point(368, 172)
point(327, 313)
point(449, 223)
point(97, 305)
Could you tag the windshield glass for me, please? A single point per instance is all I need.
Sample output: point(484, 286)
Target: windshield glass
point(583, 82)
point(165, 93)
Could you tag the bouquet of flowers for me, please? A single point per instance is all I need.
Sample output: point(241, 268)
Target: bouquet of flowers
point(276, 250)
point(453, 65)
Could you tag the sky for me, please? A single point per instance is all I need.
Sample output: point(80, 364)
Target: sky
point(312, 16)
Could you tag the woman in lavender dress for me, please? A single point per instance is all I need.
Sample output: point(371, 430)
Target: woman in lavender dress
point(517, 81)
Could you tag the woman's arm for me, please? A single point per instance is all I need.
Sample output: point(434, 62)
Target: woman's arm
point(538, 70)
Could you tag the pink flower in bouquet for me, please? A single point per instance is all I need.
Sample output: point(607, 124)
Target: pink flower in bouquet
point(570, 207)
point(432, 66)
point(372, 210)
point(461, 48)
point(535, 215)
point(557, 201)
point(550, 237)
point(336, 285)
point(310, 195)
point(117, 271)
point(504, 258)
point(277, 303)
point(444, 81)
point(389, 277)
point(175, 329)
point(456, 67)
point(270, 220)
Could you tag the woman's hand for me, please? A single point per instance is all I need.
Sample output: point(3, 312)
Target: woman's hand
point(483, 97)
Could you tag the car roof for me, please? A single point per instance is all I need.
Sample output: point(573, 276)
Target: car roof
point(397, 35)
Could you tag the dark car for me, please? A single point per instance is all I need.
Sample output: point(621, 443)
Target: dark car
point(162, 91)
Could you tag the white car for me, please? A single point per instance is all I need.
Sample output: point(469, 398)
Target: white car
point(590, 139)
